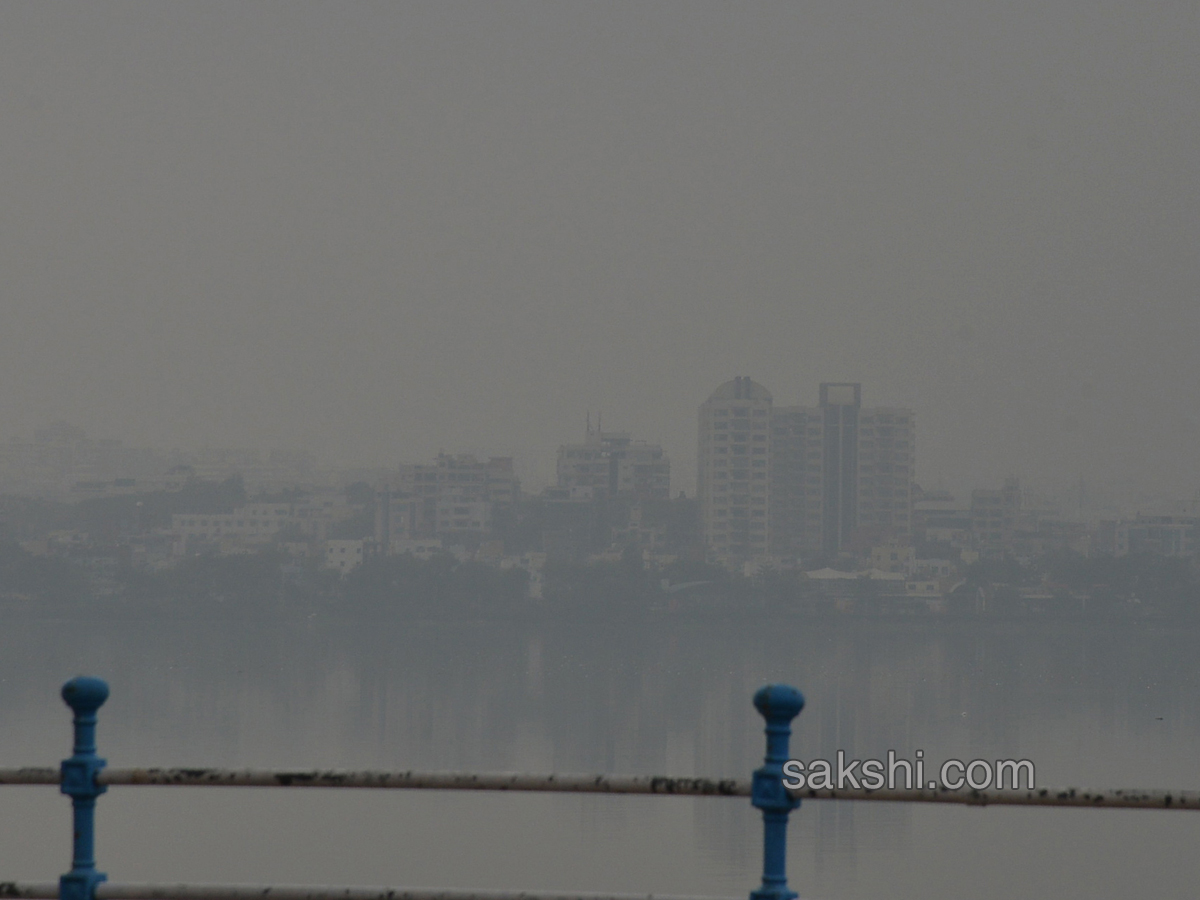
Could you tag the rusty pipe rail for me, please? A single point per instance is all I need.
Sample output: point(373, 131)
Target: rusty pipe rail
point(602, 784)
point(463, 781)
point(1076, 797)
point(119, 891)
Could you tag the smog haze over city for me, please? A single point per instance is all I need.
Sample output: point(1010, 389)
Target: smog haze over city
point(378, 230)
point(522, 387)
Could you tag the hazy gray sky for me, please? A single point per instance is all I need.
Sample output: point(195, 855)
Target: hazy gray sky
point(377, 230)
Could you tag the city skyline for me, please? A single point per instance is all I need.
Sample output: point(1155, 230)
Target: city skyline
point(539, 470)
point(484, 223)
point(663, 350)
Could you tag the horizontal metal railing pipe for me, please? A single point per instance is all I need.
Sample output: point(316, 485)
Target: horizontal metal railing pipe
point(31, 775)
point(604, 784)
point(118, 891)
point(461, 781)
point(1076, 797)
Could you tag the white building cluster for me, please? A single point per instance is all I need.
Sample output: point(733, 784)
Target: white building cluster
point(255, 524)
point(63, 463)
point(613, 464)
point(456, 495)
point(797, 482)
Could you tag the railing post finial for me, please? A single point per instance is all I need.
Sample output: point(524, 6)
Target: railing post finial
point(84, 696)
point(778, 704)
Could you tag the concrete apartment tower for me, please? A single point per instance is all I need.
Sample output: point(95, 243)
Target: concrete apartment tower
point(837, 476)
point(840, 407)
point(733, 470)
point(612, 464)
point(887, 450)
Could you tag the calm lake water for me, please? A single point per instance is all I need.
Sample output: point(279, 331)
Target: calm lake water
point(1092, 705)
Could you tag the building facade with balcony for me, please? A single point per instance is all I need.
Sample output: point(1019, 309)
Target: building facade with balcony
point(613, 464)
point(803, 482)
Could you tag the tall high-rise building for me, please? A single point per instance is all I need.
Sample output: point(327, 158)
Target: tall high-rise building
point(887, 447)
point(840, 407)
point(838, 475)
point(733, 470)
point(796, 482)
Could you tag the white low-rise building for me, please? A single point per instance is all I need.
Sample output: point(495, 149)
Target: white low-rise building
point(344, 556)
point(421, 548)
point(457, 513)
point(1163, 535)
point(260, 522)
point(612, 464)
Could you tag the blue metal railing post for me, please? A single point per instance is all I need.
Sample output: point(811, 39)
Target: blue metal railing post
point(84, 696)
point(778, 704)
